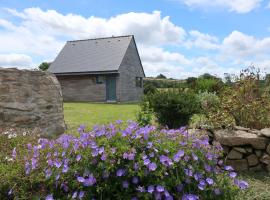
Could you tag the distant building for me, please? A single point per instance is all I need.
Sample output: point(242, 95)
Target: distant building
point(100, 70)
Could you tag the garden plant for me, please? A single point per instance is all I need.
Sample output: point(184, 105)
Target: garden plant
point(121, 161)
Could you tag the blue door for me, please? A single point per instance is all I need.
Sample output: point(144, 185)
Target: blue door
point(111, 88)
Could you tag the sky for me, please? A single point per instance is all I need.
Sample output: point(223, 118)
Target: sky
point(178, 38)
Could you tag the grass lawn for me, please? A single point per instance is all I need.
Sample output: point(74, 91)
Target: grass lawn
point(91, 114)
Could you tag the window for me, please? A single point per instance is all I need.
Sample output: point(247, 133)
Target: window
point(139, 82)
point(100, 79)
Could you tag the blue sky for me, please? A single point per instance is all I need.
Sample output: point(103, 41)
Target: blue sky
point(178, 38)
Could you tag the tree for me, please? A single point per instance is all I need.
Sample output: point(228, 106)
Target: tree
point(161, 76)
point(44, 66)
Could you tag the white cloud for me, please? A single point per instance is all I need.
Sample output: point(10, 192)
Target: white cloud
point(238, 44)
point(148, 28)
point(238, 6)
point(15, 60)
point(202, 40)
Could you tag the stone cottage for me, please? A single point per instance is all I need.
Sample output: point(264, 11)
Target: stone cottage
point(100, 70)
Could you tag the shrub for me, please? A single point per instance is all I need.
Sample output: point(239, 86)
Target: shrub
point(214, 116)
point(149, 89)
point(208, 85)
point(247, 102)
point(145, 115)
point(173, 108)
point(131, 162)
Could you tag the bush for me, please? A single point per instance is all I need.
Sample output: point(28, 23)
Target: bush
point(131, 162)
point(208, 85)
point(213, 116)
point(145, 115)
point(173, 108)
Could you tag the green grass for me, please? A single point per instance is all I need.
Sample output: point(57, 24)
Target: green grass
point(91, 114)
point(259, 186)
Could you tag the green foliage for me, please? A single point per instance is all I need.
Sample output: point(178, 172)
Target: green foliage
point(243, 102)
point(145, 115)
point(199, 121)
point(173, 108)
point(213, 116)
point(164, 83)
point(208, 85)
point(44, 66)
point(247, 102)
point(149, 88)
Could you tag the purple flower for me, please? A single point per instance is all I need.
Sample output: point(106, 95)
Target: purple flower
point(91, 180)
point(233, 174)
point(81, 129)
point(65, 168)
point(74, 195)
point(101, 150)
point(152, 166)
point(190, 197)
point(146, 161)
point(48, 173)
point(141, 189)
point(49, 197)
point(136, 166)
point(125, 184)
point(178, 155)
point(81, 194)
point(80, 179)
point(210, 181)
point(34, 163)
point(188, 172)
point(131, 156)
point(202, 185)
point(78, 157)
point(103, 157)
point(165, 160)
point(160, 188)
point(228, 168)
point(151, 189)
point(120, 172)
point(27, 168)
point(57, 163)
point(194, 156)
point(241, 184)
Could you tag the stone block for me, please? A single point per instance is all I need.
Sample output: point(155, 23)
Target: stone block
point(238, 165)
point(234, 155)
point(25, 99)
point(252, 160)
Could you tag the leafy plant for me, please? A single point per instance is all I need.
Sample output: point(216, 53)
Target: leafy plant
point(173, 108)
point(124, 162)
point(247, 102)
point(145, 115)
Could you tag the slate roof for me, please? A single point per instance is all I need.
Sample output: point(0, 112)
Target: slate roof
point(92, 55)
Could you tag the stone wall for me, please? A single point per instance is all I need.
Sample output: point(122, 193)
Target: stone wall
point(245, 149)
point(82, 88)
point(31, 99)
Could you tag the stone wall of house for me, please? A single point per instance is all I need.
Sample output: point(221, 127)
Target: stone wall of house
point(245, 149)
point(31, 99)
point(83, 88)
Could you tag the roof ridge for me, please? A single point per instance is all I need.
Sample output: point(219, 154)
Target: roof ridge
point(102, 38)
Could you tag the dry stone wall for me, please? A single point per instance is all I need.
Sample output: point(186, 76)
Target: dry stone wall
point(31, 99)
point(245, 149)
